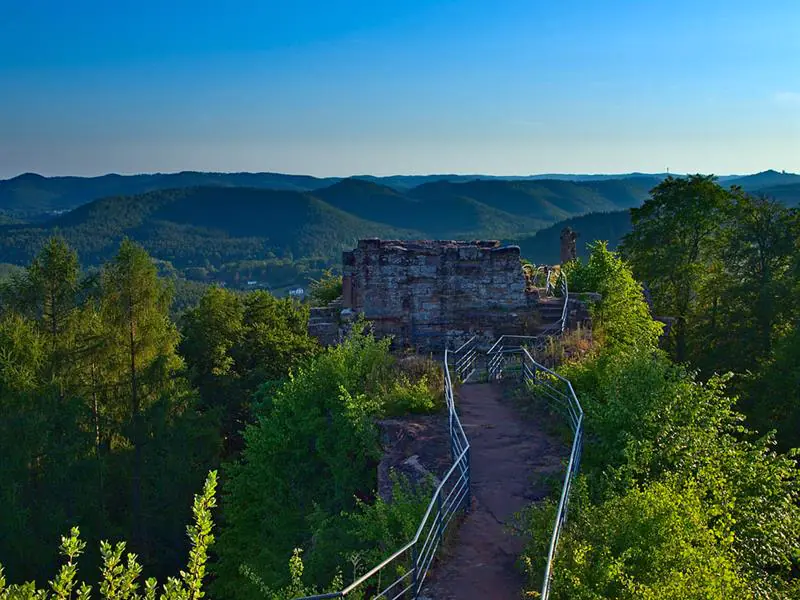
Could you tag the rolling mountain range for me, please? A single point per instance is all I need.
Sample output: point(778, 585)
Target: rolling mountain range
point(34, 197)
point(201, 225)
point(220, 225)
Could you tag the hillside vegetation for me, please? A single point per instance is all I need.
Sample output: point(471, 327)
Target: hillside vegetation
point(32, 195)
point(680, 495)
point(114, 414)
point(543, 247)
point(279, 239)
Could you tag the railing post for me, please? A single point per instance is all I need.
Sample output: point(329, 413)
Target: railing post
point(468, 495)
point(440, 519)
point(415, 572)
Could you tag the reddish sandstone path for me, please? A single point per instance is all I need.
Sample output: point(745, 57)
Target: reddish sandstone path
point(507, 454)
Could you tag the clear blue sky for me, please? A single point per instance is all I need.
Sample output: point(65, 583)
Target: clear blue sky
point(329, 87)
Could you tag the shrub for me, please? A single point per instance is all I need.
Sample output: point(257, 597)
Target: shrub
point(313, 451)
point(652, 542)
point(621, 317)
point(120, 575)
point(326, 289)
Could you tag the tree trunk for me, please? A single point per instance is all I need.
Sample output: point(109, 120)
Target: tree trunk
point(137, 435)
point(97, 441)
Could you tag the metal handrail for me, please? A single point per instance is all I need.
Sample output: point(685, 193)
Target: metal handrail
point(442, 508)
point(452, 494)
point(554, 387)
point(543, 379)
point(576, 421)
point(536, 274)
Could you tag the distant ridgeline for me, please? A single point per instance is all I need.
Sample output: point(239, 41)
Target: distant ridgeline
point(277, 231)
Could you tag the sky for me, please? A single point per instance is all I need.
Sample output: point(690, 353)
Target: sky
point(330, 87)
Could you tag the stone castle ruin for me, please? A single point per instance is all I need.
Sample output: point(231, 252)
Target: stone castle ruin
point(432, 294)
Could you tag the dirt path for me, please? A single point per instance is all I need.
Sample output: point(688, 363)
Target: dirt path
point(507, 454)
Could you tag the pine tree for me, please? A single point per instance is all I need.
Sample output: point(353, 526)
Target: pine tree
point(141, 343)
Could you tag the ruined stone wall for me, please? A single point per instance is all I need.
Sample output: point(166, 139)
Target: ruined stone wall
point(433, 294)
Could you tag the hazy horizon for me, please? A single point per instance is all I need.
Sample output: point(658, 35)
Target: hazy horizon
point(388, 174)
point(356, 87)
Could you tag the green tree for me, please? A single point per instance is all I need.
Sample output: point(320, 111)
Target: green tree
point(669, 247)
point(233, 343)
point(312, 451)
point(649, 420)
point(326, 289)
point(773, 393)
point(41, 445)
point(47, 291)
point(745, 306)
point(142, 345)
point(621, 317)
point(54, 278)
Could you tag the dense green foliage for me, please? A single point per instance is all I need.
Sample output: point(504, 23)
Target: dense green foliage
point(111, 415)
point(621, 317)
point(120, 571)
point(234, 343)
point(311, 454)
point(678, 498)
point(726, 266)
point(326, 289)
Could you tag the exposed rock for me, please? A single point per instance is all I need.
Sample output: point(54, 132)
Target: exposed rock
point(569, 248)
point(417, 446)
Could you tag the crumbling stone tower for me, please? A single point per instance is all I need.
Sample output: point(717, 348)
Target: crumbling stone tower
point(569, 248)
point(429, 294)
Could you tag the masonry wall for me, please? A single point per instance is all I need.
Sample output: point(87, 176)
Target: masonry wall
point(433, 294)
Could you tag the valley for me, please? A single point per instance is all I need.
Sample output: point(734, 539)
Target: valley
point(278, 232)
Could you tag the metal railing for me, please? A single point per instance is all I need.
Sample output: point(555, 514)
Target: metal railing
point(402, 574)
point(561, 324)
point(406, 569)
point(509, 356)
point(464, 359)
point(553, 387)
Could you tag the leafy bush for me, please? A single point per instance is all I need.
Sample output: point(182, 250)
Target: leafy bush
point(295, 588)
point(326, 289)
point(652, 542)
point(409, 397)
point(678, 499)
point(621, 317)
point(366, 535)
point(312, 452)
point(119, 575)
point(658, 439)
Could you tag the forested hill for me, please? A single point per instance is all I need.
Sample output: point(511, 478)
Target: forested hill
point(279, 239)
point(199, 226)
point(33, 196)
point(544, 245)
point(758, 182)
point(210, 226)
